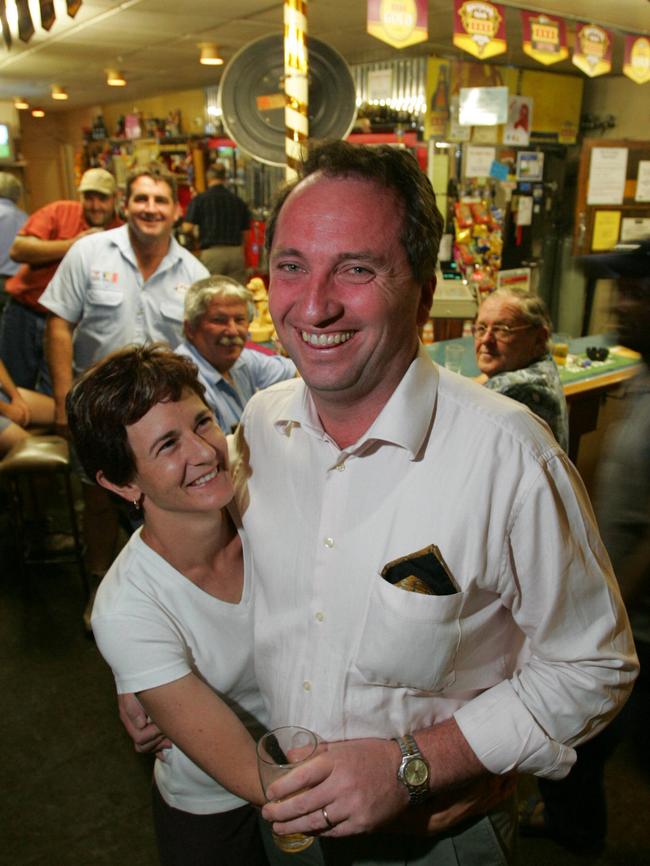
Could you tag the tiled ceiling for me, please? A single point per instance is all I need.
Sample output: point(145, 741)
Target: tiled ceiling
point(154, 42)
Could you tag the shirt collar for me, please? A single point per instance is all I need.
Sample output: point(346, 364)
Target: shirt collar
point(122, 241)
point(211, 373)
point(404, 421)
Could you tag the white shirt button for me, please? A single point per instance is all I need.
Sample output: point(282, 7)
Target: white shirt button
point(320, 616)
point(306, 686)
point(328, 542)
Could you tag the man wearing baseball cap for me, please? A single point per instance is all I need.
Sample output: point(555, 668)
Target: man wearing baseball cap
point(39, 246)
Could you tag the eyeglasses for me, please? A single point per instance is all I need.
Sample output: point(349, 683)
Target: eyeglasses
point(503, 333)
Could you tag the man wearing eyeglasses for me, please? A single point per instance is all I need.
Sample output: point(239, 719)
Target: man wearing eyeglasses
point(511, 336)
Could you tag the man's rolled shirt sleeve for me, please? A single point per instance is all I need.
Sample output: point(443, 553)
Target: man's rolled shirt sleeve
point(580, 661)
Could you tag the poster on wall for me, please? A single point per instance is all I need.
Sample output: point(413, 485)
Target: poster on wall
point(592, 52)
point(607, 171)
point(520, 120)
point(636, 61)
point(479, 28)
point(544, 37)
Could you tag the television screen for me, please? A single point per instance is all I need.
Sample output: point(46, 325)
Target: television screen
point(5, 142)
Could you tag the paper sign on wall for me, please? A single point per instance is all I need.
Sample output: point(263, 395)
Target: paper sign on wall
point(643, 181)
point(607, 171)
point(479, 161)
point(607, 225)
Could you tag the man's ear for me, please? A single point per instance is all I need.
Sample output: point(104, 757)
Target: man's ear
point(187, 330)
point(131, 492)
point(426, 299)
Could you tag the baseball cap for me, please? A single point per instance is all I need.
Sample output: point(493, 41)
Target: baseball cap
point(625, 260)
point(98, 180)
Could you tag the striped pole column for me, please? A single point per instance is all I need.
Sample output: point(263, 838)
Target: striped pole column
point(296, 66)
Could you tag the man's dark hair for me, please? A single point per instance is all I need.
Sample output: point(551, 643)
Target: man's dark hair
point(393, 168)
point(157, 172)
point(118, 391)
point(218, 171)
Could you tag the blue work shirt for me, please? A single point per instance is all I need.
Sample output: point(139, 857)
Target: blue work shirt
point(251, 372)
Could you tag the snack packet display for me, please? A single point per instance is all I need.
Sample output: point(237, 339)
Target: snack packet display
point(478, 242)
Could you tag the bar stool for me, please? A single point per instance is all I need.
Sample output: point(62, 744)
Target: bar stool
point(31, 459)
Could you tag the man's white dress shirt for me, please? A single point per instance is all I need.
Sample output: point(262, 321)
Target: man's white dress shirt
point(530, 655)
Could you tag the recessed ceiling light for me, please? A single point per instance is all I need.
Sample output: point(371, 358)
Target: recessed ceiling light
point(210, 54)
point(115, 78)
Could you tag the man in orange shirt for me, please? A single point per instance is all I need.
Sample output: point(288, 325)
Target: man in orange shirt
point(40, 245)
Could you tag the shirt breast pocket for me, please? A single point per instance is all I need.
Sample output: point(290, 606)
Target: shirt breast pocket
point(410, 639)
point(99, 296)
point(172, 310)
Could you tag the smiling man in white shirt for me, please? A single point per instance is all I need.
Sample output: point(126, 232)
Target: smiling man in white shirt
point(378, 473)
point(432, 595)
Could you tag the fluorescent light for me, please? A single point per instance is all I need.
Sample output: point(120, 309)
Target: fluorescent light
point(59, 92)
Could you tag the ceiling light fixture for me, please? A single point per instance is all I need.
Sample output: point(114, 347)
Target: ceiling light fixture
point(210, 54)
point(59, 92)
point(21, 104)
point(115, 78)
point(38, 112)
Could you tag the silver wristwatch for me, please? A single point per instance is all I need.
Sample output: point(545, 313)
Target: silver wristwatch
point(414, 771)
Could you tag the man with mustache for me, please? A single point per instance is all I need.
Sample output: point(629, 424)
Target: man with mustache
point(111, 289)
point(218, 311)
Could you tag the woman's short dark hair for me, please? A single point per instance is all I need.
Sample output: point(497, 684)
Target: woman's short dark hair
point(118, 391)
point(393, 168)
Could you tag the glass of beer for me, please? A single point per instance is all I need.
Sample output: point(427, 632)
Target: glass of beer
point(273, 761)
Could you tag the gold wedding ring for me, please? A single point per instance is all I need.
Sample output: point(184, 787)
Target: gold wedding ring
point(330, 826)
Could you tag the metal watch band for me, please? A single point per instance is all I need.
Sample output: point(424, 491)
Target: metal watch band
point(409, 749)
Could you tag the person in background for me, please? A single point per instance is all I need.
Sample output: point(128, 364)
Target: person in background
point(112, 289)
point(12, 218)
point(40, 246)
point(222, 220)
point(218, 311)
point(173, 616)
point(511, 340)
point(19, 409)
point(418, 536)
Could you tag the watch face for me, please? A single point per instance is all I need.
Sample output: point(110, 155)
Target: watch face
point(416, 772)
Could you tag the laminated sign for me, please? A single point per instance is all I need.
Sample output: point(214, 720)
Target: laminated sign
point(636, 63)
point(479, 28)
point(593, 49)
point(544, 37)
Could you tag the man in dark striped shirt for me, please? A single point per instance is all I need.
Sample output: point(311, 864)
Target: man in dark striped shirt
point(222, 219)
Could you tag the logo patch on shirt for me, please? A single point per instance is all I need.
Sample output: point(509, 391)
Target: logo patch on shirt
point(181, 289)
point(103, 276)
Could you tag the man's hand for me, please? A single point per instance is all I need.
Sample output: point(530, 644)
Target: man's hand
point(146, 736)
point(356, 782)
point(17, 411)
